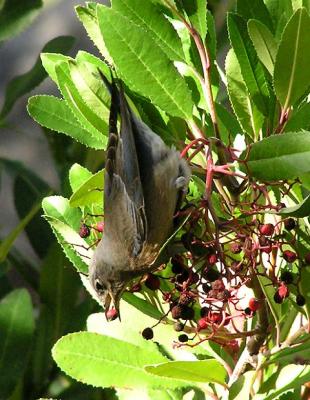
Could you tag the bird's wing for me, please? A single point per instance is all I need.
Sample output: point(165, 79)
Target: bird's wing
point(125, 219)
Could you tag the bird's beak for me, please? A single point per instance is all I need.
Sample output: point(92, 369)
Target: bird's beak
point(114, 298)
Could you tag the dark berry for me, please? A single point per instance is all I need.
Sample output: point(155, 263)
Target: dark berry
point(136, 288)
point(193, 278)
point(176, 312)
point(289, 256)
point(206, 287)
point(178, 326)
point(266, 229)
point(247, 311)
point(202, 323)
point(289, 224)
point(84, 231)
point(204, 311)
point(277, 298)
point(287, 277)
point(187, 312)
point(254, 304)
point(235, 248)
point(210, 274)
point(186, 239)
point(100, 226)
point(183, 338)
point(148, 333)
point(152, 282)
point(199, 249)
point(307, 258)
point(300, 300)
point(185, 299)
point(111, 314)
point(180, 278)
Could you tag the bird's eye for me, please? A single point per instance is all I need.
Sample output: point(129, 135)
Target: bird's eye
point(99, 286)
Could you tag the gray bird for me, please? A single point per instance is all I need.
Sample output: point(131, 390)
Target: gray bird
point(145, 181)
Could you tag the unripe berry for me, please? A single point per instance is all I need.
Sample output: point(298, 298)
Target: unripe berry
point(283, 291)
point(254, 304)
point(300, 300)
point(235, 248)
point(215, 317)
point(266, 229)
point(289, 256)
point(212, 259)
point(84, 231)
point(148, 333)
point(100, 226)
point(202, 324)
point(289, 224)
point(152, 282)
point(183, 338)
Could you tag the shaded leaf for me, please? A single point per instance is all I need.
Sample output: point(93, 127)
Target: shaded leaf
point(291, 355)
point(196, 11)
point(264, 43)
point(16, 330)
point(55, 114)
point(28, 81)
point(91, 191)
point(250, 9)
point(283, 156)
point(300, 120)
point(299, 211)
point(291, 71)
point(78, 175)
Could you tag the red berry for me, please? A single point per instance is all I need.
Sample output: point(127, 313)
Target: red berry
point(215, 317)
point(152, 282)
point(254, 304)
point(100, 226)
point(283, 291)
point(289, 256)
point(148, 333)
point(266, 229)
point(212, 259)
point(111, 314)
point(235, 248)
point(84, 231)
point(202, 323)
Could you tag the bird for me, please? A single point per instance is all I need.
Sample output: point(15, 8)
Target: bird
point(145, 182)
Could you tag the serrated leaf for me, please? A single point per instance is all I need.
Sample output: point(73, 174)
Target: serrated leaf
point(291, 71)
point(23, 84)
point(88, 16)
point(78, 175)
point(299, 211)
point(58, 207)
point(249, 117)
point(16, 331)
point(90, 192)
point(277, 157)
point(49, 62)
point(280, 11)
point(251, 70)
point(16, 16)
point(150, 19)
point(96, 126)
point(146, 67)
point(257, 9)
point(264, 43)
point(92, 359)
point(291, 355)
point(55, 114)
point(197, 371)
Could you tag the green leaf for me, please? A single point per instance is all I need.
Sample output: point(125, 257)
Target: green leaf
point(96, 126)
point(49, 62)
point(196, 11)
point(55, 114)
point(78, 175)
point(88, 16)
point(277, 157)
point(291, 76)
point(269, 291)
point(15, 16)
point(197, 371)
point(250, 9)
point(280, 11)
point(91, 358)
point(299, 211)
point(90, 192)
point(150, 19)
point(291, 355)
point(305, 286)
point(16, 330)
point(28, 81)
point(142, 305)
point(300, 120)
point(8, 242)
point(251, 70)
point(143, 65)
point(249, 117)
point(264, 43)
